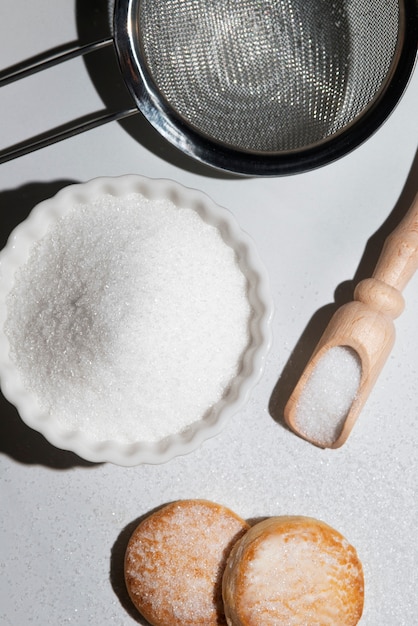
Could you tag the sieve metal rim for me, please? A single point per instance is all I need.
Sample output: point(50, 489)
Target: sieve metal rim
point(197, 145)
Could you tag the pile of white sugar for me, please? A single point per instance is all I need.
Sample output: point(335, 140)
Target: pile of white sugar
point(328, 395)
point(129, 319)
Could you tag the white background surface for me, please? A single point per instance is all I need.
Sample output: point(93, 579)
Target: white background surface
point(64, 523)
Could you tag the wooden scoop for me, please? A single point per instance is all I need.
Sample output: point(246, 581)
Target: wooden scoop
point(366, 324)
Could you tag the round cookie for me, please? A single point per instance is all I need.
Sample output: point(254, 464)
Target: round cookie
point(175, 559)
point(293, 571)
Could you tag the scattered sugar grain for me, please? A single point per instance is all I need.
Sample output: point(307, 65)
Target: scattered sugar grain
point(328, 395)
point(129, 319)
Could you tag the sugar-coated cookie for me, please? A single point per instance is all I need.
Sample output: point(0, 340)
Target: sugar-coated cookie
point(175, 559)
point(293, 571)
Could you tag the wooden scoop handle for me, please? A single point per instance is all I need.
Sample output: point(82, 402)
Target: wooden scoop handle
point(399, 258)
point(397, 263)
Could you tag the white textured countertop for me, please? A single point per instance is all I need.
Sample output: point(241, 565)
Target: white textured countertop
point(64, 523)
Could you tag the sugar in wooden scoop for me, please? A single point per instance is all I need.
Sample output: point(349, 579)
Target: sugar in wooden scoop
point(328, 395)
point(129, 319)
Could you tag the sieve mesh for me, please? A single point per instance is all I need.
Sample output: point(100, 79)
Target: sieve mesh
point(268, 75)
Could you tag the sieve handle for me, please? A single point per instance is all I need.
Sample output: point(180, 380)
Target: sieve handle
point(43, 62)
point(49, 59)
point(61, 133)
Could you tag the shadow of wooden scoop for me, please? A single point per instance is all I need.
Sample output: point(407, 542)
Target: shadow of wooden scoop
point(353, 349)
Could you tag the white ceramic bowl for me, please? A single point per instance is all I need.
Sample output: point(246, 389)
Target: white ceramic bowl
point(16, 253)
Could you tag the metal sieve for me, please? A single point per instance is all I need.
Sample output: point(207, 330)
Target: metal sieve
point(265, 87)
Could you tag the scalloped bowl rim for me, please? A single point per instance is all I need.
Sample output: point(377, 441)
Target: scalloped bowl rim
point(15, 253)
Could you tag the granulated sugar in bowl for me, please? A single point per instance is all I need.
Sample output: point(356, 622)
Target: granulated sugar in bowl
point(134, 319)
